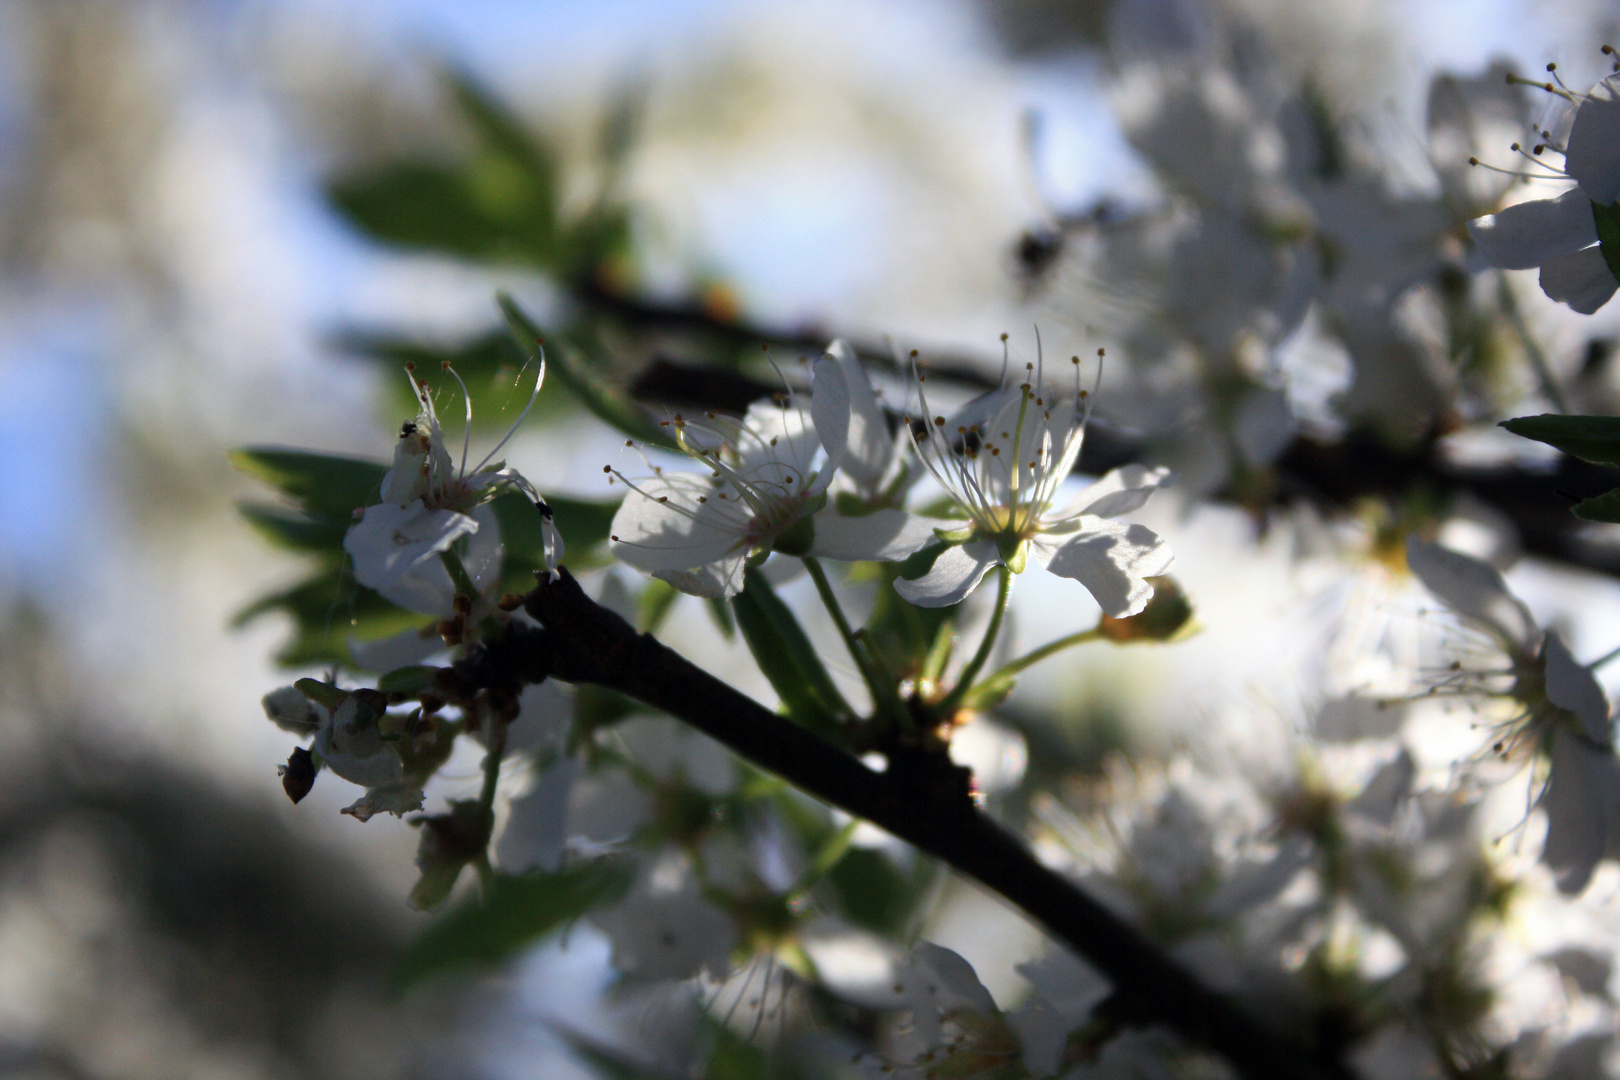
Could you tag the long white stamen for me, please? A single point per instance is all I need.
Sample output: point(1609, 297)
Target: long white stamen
point(533, 395)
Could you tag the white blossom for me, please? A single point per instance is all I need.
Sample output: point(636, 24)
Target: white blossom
point(430, 505)
point(1560, 235)
point(1560, 713)
point(766, 490)
point(1002, 459)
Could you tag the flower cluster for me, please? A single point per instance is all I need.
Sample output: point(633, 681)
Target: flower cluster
point(1001, 459)
point(430, 504)
point(1561, 236)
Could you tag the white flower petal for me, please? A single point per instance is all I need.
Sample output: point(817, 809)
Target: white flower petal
point(399, 650)
point(1571, 685)
point(351, 747)
point(829, 407)
point(870, 445)
point(883, 535)
point(1474, 590)
point(662, 526)
point(956, 572)
point(1532, 232)
point(1122, 490)
point(776, 445)
point(1582, 279)
point(1593, 158)
point(665, 928)
point(399, 799)
point(1580, 803)
point(1110, 559)
point(396, 549)
point(537, 829)
point(719, 580)
point(953, 983)
point(1042, 1034)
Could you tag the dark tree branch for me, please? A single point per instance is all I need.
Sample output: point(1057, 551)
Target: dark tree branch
point(1331, 474)
point(925, 801)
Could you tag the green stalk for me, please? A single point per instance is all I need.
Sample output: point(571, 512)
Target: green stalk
point(831, 853)
point(991, 632)
point(1604, 659)
point(883, 691)
point(1532, 350)
point(458, 575)
point(1033, 658)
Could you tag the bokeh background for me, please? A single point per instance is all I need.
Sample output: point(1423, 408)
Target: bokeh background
point(174, 283)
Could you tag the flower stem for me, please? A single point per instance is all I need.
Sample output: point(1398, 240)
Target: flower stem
point(991, 632)
point(884, 698)
point(458, 574)
point(831, 854)
point(1031, 659)
point(1532, 350)
point(1604, 659)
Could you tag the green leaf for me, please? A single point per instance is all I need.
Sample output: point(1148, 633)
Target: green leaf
point(519, 911)
point(326, 609)
point(1590, 438)
point(1605, 508)
point(324, 485)
point(500, 204)
point(296, 532)
point(787, 658)
point(498, 375)
point(1608, 230)
point(410, 680)
point(570, 367)
point(584, 526)
point(875, 893)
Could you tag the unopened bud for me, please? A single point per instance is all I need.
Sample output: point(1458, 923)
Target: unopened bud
point(298, 775)
point(1167, 616)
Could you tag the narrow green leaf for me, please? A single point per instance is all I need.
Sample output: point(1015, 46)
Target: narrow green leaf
point(520, 910)
point(786, 657)
point(326, 486)
point(1608, 230)
point(1590, 438)
point(1605, 508)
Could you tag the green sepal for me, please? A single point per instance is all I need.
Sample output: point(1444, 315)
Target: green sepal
point(786, 657)
point(654, 604)
point(1590, 438)
point(410, 681)
point(1604, 508)
point(799, 537)
point(1014, 551)
point(956, 536)
point(518, 911)
point(321, 693)
point(1608, 230)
